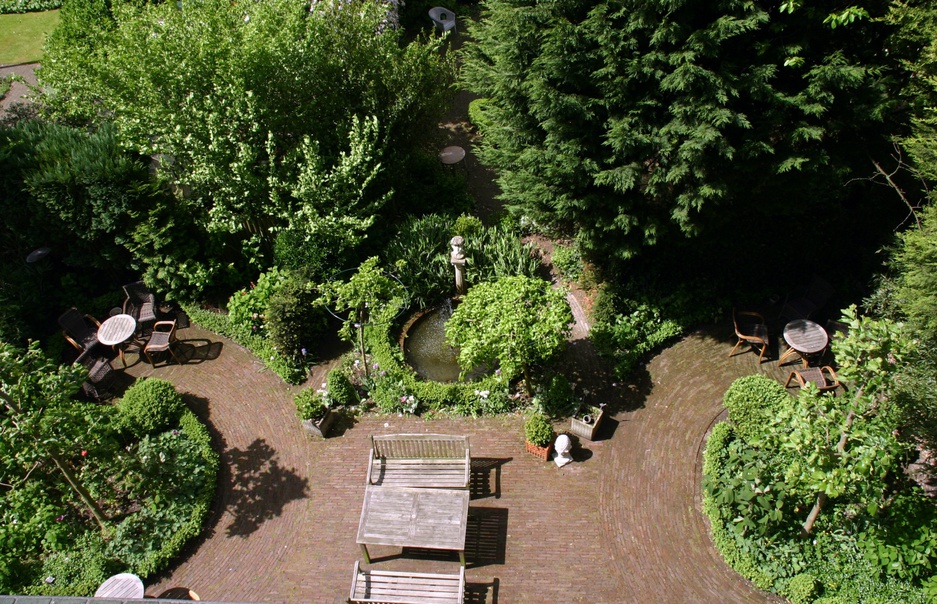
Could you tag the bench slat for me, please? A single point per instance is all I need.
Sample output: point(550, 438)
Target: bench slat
point(389, 587)
point(421, 460)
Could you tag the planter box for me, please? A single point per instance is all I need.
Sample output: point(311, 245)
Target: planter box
point(583, 429)
point(321, 426)
point(541, 452)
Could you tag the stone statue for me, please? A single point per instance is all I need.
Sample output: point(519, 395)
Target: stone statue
point(457, 259)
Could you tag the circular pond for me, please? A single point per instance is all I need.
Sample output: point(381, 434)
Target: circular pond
point(425, 347)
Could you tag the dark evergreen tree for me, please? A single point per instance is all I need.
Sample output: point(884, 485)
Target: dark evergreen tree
point(626, 120)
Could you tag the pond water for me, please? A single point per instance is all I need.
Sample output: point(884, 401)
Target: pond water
point(426, 349)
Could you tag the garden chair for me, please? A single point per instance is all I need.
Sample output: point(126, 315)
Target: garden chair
point(161, 340)
point(824, 377)
point(77, 331)
point(101, 376)
point(751, 329)
point(803, 303)
point(140, 304)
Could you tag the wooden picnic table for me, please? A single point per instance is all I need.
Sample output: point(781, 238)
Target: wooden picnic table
point(414, 517)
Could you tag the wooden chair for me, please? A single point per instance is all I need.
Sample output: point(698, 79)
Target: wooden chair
point(76, 330)
point(161, 340)
point(751, 329)
point(101, 376)
point(824, 377)
point(140, 304)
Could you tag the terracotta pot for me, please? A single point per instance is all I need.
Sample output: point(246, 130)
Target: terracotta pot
point(541, 452)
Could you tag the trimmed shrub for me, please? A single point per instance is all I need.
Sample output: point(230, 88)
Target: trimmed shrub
point(78, 570)
point(753, 401)
point(538, 430)
point(340, 388)
point(556, 396)
point(149, 406)
point(8, 7)
point(802, 589)
point(467, 226)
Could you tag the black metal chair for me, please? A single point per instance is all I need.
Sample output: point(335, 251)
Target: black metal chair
point(101, 376)
point(76, 329)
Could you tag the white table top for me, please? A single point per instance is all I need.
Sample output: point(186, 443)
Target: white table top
point(452, 155)
point(414, 517)
point(120, 587)
point(116, 330)
point(806, 336)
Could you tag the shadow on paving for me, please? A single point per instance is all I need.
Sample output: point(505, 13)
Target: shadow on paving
point(481, 593)
point(481, 484)
point(260, 487)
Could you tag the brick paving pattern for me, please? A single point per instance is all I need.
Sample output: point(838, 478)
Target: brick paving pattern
point(622, 524)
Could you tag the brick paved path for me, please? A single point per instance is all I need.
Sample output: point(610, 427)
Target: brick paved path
point(620, 525)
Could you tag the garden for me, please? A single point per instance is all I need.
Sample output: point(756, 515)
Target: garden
point(271, 171)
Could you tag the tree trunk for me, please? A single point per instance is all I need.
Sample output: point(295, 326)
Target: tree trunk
point(527, 383)
point(364, 359)
point(812, 516)
point(73, 482)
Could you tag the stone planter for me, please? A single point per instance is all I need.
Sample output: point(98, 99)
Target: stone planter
point(320, 427)
point(541, 452)
point(585, 423)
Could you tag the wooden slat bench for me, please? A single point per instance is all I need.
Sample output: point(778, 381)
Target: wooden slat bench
point(420, 460)
point(388, 587)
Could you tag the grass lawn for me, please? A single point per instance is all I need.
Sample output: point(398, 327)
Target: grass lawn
point(22, 36)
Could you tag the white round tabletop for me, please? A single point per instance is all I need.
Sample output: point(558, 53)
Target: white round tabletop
point(806, 336)
point(452, 155)
point(116, 330)
point(121, 587)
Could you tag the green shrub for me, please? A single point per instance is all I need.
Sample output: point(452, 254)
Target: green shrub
point(556, 396)
point(310, 404)
point(538, 430)
point(753, 401)
point(297, 250)
point(802, 589)
point(77, 570)
point(568, 261)
point(296, 319)
point(247, 308)
point(27, 6)
point(149, 406)
point(468, 226)
point(340, 388)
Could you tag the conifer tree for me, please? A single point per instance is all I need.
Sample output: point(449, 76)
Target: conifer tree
point(626, 120)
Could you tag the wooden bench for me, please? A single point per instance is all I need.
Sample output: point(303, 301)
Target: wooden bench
point(420, 460)
point(387, 587)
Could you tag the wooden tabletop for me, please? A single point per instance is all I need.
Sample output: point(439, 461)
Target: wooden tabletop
point(116, 330)
point(121, 587)
point(806, 336)
point(413, 517)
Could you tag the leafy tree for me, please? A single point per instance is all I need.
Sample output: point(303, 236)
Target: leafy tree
point(366, 296)
point(626, 120)
point(514, 322)
point(263, 116)
point(916, 260)
point(41, 421)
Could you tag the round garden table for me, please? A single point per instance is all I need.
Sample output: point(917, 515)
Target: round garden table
point(804, 337)
point(121, 587)
point(116, 330)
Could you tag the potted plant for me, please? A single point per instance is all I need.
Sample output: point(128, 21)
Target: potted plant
point(313, 408)
point(539, 433)
point(585, 422)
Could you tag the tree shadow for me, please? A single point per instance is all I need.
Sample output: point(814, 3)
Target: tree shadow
point(259, 487)
point(596, 383)
point(481, 484)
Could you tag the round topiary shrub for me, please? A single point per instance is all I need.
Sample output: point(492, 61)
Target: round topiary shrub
point(341, 391)
point(538, 430)
point(802, 589)
point(150, 406)
point(752, 401)
point(310, 404)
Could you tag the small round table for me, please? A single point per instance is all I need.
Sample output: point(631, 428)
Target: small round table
point(451, 155)
point(115, 331)
point(804, 337)
point(121, 587)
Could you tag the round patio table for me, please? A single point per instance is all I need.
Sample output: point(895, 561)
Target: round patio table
point(451, 155)
point(121, 587)
point(116, 330)
point(804, 337)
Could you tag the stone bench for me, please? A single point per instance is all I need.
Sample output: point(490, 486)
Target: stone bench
point(419, 460)
point(388, 587)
